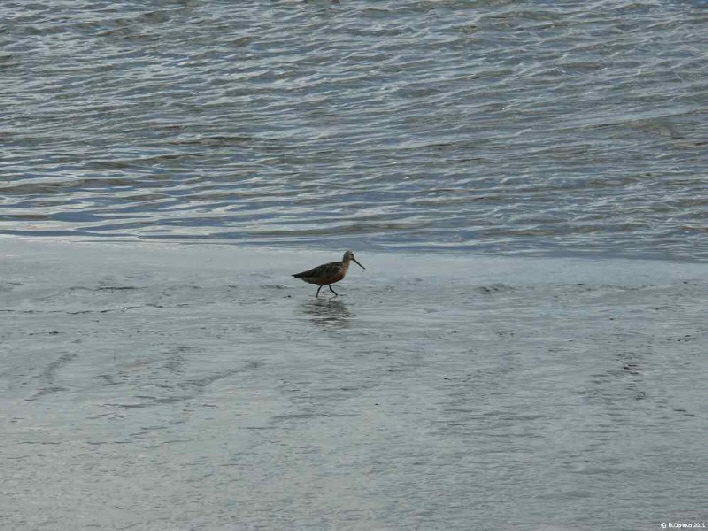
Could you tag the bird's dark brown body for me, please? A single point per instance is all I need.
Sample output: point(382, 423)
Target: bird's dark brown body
point(328, 274)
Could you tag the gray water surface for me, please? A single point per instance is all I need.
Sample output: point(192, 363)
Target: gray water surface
point(504, 127)
point(180, 388)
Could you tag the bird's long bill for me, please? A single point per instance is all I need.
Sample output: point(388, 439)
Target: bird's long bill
point(359, 264)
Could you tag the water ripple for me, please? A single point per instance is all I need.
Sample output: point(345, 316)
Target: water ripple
point(510, 127)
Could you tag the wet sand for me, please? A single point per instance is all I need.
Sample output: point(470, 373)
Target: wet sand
point(199, 387)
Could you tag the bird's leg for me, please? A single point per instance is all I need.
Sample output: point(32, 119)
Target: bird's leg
point(330, 289)
point(318, 290)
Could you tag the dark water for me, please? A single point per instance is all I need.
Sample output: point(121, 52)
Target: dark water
point(508, 126)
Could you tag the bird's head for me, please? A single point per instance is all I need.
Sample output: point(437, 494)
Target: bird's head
point(349, 256)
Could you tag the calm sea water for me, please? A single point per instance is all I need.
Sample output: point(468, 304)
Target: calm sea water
point(495, 126)
point(193, 388)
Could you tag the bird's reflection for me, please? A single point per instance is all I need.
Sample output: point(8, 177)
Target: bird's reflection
point(327, 313)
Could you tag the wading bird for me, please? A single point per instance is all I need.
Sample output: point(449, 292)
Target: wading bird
point(328, 274)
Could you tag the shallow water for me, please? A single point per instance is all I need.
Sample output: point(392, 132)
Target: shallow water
point(504, 127)
point(205, 393)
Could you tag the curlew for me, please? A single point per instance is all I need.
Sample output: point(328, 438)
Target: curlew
point(328, 274)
